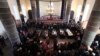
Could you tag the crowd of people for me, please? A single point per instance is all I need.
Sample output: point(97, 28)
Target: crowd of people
point(2, 45)
point(39, 39)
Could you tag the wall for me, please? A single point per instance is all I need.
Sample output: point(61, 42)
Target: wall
point(24, 9)
point(77, 7)
point(57, 7)
point(74, 6)
point(14, 9)
point(25, 6)
point(28, 5)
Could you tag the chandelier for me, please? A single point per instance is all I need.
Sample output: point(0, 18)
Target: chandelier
point(50, 9)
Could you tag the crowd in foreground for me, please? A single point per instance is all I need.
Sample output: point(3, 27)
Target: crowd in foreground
point(39, 39)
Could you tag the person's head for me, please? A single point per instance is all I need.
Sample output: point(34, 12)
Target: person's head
point(83, 46)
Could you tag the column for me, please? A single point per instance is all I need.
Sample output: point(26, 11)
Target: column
point(63, 9)
point(93, 25)
point(33, 5)
point(84, 4)
point(38, 9)
point(69, 2)
point(8, 22)
point(87, 12)
point(18, 4)
point(72, 14)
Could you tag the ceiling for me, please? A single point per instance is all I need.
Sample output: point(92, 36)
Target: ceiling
point(51, 0)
